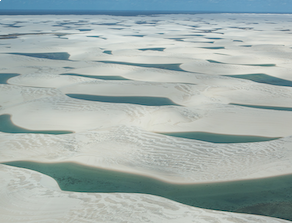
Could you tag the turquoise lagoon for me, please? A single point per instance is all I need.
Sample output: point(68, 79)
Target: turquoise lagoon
point(51, 56)
point(219, 138)
point(108, 52)
point(214, 47)
point(147, 101)
point(152, 49)
point(264, 78)
point(268, 196)
point(97, 76)
point(5, 76)
point(255, 65)
point(173, 67)
point(264, 107)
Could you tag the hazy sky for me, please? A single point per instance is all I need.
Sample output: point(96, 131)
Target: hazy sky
point(159, 5)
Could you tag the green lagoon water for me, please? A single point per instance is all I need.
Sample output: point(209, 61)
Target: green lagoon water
point(268, 196)
point(152, 49)
point(219, 138)
point(97, 76)
point(194, 35)
point(97, 37)
point(5, 76)
point(214, 47)
point(214, 61)
point(215, 38)
point(256, 65)
point(135, 35)
point(84, 30)
point(148, 101)
point(94, 36)
point(264, 107)
point(51, 56)
point(117, 28)
point(201, 42)
point(264, 78)
point(108, 52)
point(261, 65)
point(69, 67)
point(7, 126)
point(175, 67)
point(177, 39)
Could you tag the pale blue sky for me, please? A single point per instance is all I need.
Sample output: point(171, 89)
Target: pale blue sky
point(158, 5)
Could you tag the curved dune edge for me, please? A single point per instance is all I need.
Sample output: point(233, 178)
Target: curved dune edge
point(49, 109)
point(25, 192)
point(64, 113)
point(171, 159)
point(183, 88)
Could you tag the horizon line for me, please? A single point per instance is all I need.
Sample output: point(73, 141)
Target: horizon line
point(115, 12)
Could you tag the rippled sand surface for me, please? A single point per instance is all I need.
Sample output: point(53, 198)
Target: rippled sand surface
point(191, 73)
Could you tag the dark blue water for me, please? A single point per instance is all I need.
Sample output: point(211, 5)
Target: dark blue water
point(214, 48)
point(265, 107)
point(264, 78)
point(117, 28)
point(177, 39)
point(261, 65)
point(108, 24)
point(4, 77)
point(51, 56)
point(135, 35)
point(69, 67)
point(256, 65)
point(195, 35)
point(9, 36)
point(16, 35)
point(84, 30)
point(6, 125)
point(214, 61)
point(175, 67)
point(152, 49)
point(219, 138)
point(108, 52)
point(97, 76)
point(268, 196)
point(148, 101)
point(97, 37)
point(214, 38)
point(94, 36)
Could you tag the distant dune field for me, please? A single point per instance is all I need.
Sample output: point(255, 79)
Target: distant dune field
point(190, 100)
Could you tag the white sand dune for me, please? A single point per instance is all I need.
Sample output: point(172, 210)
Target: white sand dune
point(183, 58)
point(164, 157)
point(64, 113)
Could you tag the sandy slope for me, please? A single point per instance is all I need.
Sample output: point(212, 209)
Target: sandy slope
point(59, 112)
point(167, 158)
